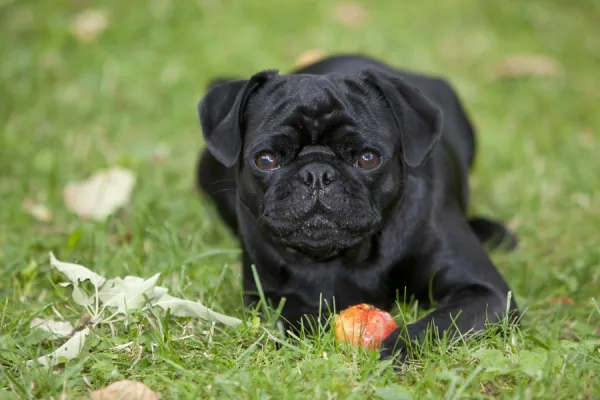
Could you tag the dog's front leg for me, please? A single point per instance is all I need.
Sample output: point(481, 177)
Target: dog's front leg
point(464, 312)
point(468, 290)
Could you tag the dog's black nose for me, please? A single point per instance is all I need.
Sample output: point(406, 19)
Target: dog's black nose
point(317, 175)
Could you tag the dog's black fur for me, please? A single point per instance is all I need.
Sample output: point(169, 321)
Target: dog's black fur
point(319, 227)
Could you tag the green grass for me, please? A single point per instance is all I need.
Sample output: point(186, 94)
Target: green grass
point(69, 108)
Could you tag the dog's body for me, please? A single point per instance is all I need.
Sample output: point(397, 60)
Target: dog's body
point(347, 182)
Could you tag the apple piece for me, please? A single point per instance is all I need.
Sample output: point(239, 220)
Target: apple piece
point(364, 325)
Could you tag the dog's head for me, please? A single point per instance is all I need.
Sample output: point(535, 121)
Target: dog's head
point(319, 158)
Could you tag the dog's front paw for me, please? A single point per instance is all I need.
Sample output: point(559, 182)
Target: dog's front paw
point(394, 347)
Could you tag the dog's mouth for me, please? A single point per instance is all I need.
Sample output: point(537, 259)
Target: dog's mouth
point(318, 236)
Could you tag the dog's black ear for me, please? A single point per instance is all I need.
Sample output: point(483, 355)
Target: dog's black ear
point(221, 113)
point(418, 118)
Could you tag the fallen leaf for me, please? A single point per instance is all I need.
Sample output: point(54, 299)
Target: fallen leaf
point(570, 336)
point(187, 308)
point(68, 351)
point(147, 245)
point(37, 210)
point(78, 295)
point(88, 25)
point(490, 389)
point(125, 390)
point(309, 57)
point(100, 195)
point(60, 329)
point(123, 346)
point(76, 273)
point(129, 293)
point(514, 223)
point(160, 154)
point(119, 239)
point(351, 14)
point(586, 137)
point(583, 200)
point(562, 300)
point(528, 65)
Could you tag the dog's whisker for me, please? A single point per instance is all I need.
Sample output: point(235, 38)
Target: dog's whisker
point(222, 181)
point(223, 190)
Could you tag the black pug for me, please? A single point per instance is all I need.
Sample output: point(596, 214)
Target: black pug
point(347, 182)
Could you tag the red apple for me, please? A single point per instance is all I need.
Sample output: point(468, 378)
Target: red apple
point(364, 325)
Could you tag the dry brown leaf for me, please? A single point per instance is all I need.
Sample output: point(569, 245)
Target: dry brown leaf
point(570, 336)
point(528, 65)
point(309, 57)
point(101, 194)
point(160, 154)
point(562, 300)
point(514, 223)
point(351, 14)
point(88, 25)
point(490, 388)
point(586, 138)
point(119, 239)
point(582, 200)
point(37, 210)
point(125, 390)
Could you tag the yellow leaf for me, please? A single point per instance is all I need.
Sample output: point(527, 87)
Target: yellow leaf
point(309, 57)
point(88, 25)
point(37, 210)
point(101, 194)
point(351, 14)
point(125, 390)
point(528, 65)
point(562, 300)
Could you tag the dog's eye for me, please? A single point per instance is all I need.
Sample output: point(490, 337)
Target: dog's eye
point(367, 160)
point(266, 161)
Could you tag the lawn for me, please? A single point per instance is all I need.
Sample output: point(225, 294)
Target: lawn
point(72, 104)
